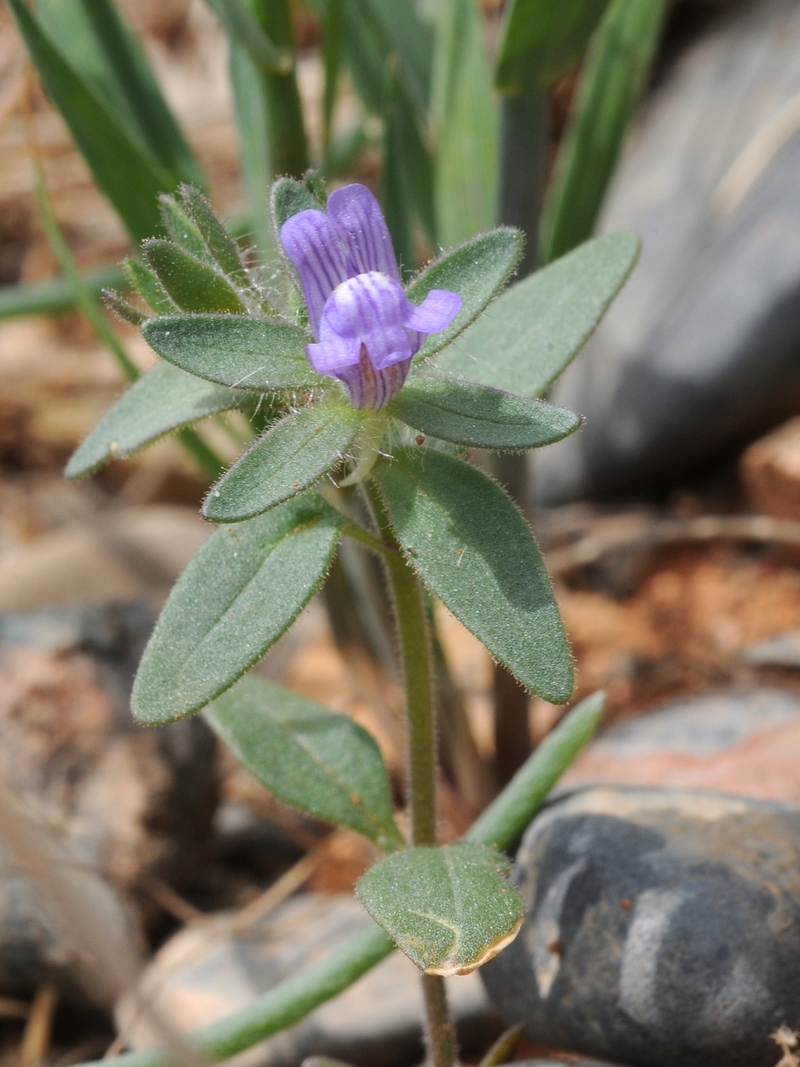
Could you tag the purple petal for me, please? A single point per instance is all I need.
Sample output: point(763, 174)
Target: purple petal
point(369, 310)
point(363, 229)
point(313, 243)
point(435, 313)
point(369, 388)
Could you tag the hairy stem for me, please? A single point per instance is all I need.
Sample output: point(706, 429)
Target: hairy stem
point(415, 652)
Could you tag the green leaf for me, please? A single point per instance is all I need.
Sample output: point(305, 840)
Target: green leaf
point(475, 415)
point(472, 548)
point(289, 197)
point(194, 285)
point(234, 350)
point(448, 909)
point(239, 594)
point(290, 457)
point(308, 757)
point(148, 286)
point(533, 331)
point(163, 400)
point(181, 229)
point(611, 83)
point(221, 246)
point(124, 169)
point(465, 121)
point(541, 39)
point(477, 271)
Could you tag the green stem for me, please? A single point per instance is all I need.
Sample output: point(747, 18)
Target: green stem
point(500, 825)
point(415, 652)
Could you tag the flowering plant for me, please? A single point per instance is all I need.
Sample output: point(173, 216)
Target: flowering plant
point(333, 362)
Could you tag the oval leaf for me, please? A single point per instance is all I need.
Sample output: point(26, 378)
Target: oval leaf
point(234, 350)
point(531, 333)
point(476, 415)
point(290, 457)
point(477, 271)
point(449, 909)
point(307, 756)
point(239, 594)
point(192, 284)
point(162, 400)
point(218, 241)
point(473, 549)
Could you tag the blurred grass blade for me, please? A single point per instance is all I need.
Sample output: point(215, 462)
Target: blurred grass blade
point(103, 49)
point(611, 83)
point(254, 155)
point(57, 295)
point(272, 137)
point(394, 185)
point(241, 27)
point(377, 29)
point(506, 817)
point(541, 39)
point(129, 175)
point(465, 120)
point(332, 55)
point(86, 300)
point(288, 146)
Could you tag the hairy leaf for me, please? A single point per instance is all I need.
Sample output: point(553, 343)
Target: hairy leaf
point(449, 909)
point(472, 548)
point(290, 457)
point(307, 756)
point(533, 331)
point(194, 285)
point(476, 415)
point(162, 400)
point(239, 594)
point(477, 271)
point(234, 350)
point(218, 241)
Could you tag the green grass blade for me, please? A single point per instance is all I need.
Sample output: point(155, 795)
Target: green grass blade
point(255, 161)
point(125, 170)
point(611, 83)
point(112, 56)
point(241, 27)
point(394, 184)
point(541, 39)
point(465, 121)
point(41, 298)
point(505, 819)
point(332, 56)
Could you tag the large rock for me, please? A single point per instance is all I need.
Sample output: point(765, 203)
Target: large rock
point(208, 971)
point(663, 928)
point(699, 351)
point(742, 741)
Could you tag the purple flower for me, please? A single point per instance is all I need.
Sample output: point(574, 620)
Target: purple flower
point(365, 328)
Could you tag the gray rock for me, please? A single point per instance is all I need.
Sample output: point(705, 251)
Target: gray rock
point(780, 651)
point(699, 351)
point(207, 971)
point(663, 928)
